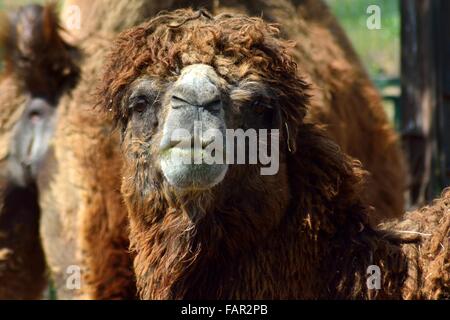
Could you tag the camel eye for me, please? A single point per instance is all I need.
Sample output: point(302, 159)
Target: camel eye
point(258, 106)
point(139, 104)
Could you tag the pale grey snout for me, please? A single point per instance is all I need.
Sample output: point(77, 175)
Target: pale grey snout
point(195, 97)
point(197, 87)
point(196, 110)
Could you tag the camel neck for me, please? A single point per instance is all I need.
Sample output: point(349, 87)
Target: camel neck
point(173, 250)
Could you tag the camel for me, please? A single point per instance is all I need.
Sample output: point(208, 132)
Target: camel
point(69, 197)
point(193, 234)
point(90, 196)
point(38, 68)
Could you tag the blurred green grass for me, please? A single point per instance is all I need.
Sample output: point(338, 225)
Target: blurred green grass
point(379, 49)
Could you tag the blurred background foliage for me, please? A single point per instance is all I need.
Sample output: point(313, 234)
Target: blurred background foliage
point(379, 49)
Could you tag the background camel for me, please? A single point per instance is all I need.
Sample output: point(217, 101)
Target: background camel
point(22, 265)
point(38, 68)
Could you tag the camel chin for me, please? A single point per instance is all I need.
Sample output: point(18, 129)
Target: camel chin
point(187, 175)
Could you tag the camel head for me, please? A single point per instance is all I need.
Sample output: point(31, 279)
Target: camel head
point(204, 104)
point(43, 67)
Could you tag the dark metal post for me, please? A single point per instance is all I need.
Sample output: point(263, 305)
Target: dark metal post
point(418, 94)
point(443, 92)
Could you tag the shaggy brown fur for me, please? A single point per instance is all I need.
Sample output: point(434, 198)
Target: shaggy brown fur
point(345, 102)
point(273, 237)
point(430, 227)
point(78, 126)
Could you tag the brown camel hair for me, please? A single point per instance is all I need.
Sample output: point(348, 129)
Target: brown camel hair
point(274, 237)
point(82, 202)
point(429, 271)
point(106, 17)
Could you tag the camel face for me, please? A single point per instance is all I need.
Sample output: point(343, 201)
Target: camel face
point(203, 106)
point(31, 139)
point(195, 114)
point(197, 126)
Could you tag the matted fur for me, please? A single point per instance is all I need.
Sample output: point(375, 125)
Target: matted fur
point(430, 226)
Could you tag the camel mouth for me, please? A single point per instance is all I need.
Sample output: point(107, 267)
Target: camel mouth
point(182, 171)
point(184, 146)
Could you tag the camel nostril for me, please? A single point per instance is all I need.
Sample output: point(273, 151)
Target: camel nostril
point(35, 116)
